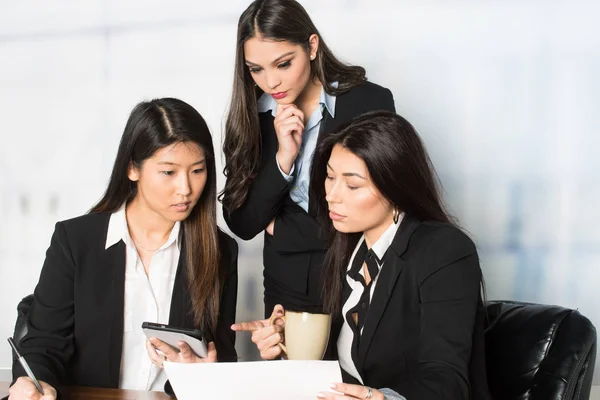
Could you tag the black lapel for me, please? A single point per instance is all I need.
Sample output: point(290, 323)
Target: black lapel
point(326, 121)
point(269, 142)
point(388, 276)
point(343, 113)
point(114, 258)
point(180, 314)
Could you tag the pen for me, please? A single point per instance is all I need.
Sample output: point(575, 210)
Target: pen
point(26, 366)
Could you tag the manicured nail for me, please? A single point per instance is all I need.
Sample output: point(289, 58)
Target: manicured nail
point(333, 385)
point(320, 395)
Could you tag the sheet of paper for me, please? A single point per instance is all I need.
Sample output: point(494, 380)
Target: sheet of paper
point(264, 380)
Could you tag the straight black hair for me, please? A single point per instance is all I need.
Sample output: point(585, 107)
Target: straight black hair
point(153, 125)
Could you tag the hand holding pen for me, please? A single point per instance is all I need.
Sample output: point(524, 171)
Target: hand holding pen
point(29, 388)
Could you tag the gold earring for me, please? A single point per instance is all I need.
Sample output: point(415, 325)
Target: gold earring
point(396, 215)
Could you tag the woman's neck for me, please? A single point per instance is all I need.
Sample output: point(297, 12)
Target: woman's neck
point(146, 225)
point(372, 235)
point(309, 98)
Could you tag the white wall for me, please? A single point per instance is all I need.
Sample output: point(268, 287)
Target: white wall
point(504, 93)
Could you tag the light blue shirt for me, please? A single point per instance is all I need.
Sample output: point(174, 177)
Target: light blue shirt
point(299, 188)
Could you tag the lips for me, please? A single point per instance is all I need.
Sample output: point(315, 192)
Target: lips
point(182, 206)
point(279, 95)
point(335, 216)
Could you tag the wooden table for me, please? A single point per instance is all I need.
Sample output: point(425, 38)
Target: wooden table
point(90, 393)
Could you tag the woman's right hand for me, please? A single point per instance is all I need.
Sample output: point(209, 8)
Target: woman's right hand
point(266, 336)
point(289, 125)
point(159, 352)
point(24, 389)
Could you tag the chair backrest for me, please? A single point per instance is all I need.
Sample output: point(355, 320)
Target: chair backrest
point(21, 324)
point(536, 351)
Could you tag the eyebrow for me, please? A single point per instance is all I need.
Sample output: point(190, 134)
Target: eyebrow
point(172, 163)
point(348, 173)
point(289, 53)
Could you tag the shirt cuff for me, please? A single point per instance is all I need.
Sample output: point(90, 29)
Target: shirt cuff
point(286, 176)
point(389, 394)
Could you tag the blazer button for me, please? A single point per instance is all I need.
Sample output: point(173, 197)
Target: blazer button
point(364, 305)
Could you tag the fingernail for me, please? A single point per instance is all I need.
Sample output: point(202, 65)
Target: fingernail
point(333, 385)
point(320, 395)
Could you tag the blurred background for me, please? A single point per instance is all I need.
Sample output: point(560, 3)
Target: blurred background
point(502, 93)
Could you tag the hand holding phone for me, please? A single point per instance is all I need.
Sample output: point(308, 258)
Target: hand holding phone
point(173, 335)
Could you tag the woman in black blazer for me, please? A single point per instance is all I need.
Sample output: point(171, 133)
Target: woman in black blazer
point(289, 92)
point(154, 231)
point(401, 280)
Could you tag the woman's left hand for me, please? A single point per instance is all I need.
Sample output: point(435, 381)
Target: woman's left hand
point(350, 392)
point(184, 355)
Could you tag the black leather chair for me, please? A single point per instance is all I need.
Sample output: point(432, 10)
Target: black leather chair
point(21, 324)
point(538, 352)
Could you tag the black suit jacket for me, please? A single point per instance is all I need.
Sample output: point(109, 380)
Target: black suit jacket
point(293, 257)
point(423, 334)
point(75, 324)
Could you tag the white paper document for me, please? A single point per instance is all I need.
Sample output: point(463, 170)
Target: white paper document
point(288, 379)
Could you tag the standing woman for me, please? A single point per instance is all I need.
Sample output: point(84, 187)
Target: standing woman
point(150, 250)
point(289, 92)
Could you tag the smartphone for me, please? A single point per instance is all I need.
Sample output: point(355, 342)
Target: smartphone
point(172, 335)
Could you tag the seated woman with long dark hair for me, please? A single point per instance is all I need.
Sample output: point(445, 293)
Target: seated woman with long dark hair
point(401, 280)
point(150, 250)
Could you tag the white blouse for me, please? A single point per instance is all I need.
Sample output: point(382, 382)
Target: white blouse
point(147, 298)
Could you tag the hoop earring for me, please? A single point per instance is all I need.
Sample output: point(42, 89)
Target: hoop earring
point(396, 215)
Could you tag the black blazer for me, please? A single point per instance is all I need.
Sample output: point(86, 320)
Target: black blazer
point(423, 334)
point(293, 257)
point(75, 324)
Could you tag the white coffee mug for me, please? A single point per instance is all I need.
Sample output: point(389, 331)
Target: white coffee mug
point(306, 334)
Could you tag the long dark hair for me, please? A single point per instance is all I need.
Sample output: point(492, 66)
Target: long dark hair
point(400, 169)
point(151, 126)
point(279, 20)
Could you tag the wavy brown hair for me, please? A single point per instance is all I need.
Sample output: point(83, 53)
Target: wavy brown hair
point(151, 126)
point(278, 20)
